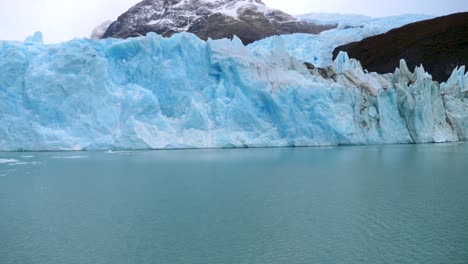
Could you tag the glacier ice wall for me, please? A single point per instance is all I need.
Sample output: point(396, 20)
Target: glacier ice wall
point(182, 92)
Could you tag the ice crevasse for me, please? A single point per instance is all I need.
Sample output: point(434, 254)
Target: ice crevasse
point(181, 92)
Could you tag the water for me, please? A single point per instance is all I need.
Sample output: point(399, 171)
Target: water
point(375, 204)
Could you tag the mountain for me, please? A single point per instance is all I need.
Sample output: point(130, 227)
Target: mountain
point(440, 44)
point(250, 20)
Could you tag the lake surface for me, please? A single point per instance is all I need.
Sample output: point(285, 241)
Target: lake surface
point(373, 204)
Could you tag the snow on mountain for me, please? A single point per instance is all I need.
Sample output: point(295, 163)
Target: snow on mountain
point(99, 31)
point(250, 20)
point(182, 92)
point(318, 49)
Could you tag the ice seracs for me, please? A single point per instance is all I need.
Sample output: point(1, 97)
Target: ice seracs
point(182, 92)
point(455, 94)
point(36, 38)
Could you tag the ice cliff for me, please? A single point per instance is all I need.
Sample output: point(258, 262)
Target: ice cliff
point(182, 92)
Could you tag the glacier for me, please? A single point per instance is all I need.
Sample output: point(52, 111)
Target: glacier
point(182, 92)
point(318, 49)
point(342, 20)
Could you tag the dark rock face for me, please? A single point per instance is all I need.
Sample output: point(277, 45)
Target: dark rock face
point(250, 20)
point(439, 44)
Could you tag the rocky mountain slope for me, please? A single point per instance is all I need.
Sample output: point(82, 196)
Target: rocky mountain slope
point(440, 44)
point(250, 20)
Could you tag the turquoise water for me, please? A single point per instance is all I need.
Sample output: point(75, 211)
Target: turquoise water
point(374, 204)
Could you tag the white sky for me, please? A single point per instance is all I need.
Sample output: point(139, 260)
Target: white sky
point(61, 20)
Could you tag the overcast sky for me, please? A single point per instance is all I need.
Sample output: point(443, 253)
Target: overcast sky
point(65, 19)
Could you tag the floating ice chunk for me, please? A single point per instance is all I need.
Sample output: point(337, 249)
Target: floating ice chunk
point(69, 157)
point(18, 163)
point(3, 161)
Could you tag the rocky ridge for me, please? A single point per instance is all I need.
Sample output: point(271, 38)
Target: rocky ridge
point(250, 20)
